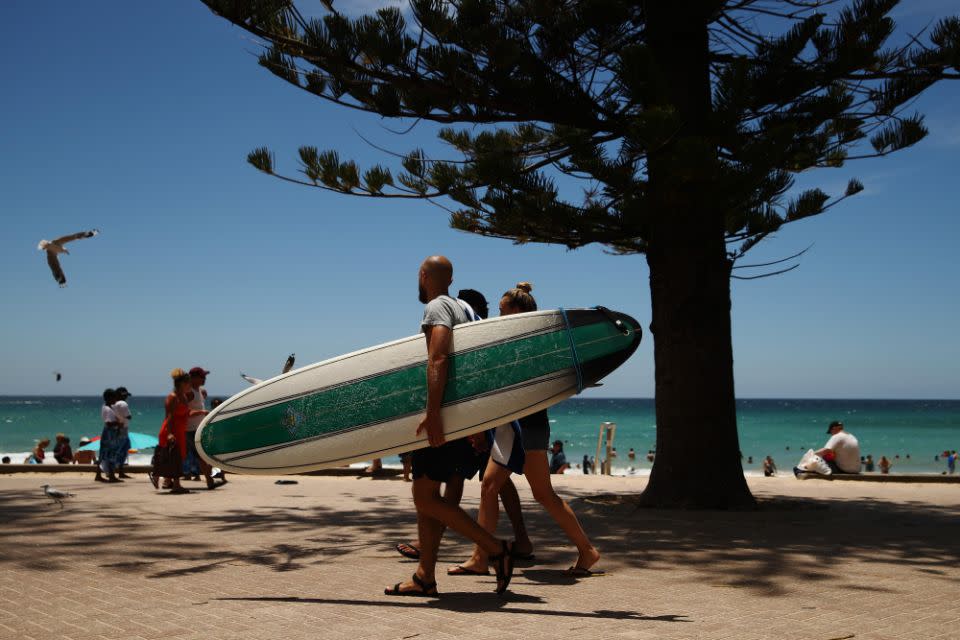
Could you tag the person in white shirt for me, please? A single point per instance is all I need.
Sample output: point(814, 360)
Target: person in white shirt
point(842, 451)
point(198, 410)
point(122, 411)
point(109, 440)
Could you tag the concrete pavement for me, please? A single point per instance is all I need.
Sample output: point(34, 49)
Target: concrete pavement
point(254, 559)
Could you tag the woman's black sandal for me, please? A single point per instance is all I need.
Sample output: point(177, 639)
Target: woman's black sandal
point(503, 565)
point(425, 589)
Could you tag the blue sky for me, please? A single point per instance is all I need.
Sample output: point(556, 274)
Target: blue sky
point(136, 118)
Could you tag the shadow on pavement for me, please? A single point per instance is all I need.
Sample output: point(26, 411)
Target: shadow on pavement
point(469, 602)
point(762, 550)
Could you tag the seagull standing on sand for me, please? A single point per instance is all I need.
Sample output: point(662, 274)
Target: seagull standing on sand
point(56, 495)
point(55, 247)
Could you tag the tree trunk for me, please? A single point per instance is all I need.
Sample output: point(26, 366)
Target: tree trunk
point(698, 455)
point(698, 452)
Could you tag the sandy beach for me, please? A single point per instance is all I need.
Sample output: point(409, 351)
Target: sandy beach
point(255, 559)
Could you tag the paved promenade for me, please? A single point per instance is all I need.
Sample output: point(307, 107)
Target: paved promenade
point(254, 559)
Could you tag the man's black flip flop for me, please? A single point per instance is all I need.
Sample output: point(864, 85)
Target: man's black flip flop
point(425, 589)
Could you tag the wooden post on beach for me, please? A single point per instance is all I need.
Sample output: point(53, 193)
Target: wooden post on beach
point(609, 429)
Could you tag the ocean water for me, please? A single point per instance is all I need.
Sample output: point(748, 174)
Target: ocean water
point(784, 429)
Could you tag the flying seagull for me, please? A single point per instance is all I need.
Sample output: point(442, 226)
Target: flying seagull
point(56, 247)
point(287, 366)
point(55, 494)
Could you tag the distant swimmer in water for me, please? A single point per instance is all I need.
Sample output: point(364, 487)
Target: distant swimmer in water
point(769, 467)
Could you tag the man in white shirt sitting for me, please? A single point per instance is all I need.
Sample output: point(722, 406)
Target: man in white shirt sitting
point(842, 451)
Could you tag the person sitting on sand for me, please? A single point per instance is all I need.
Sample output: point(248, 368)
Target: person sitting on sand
point(62, 452)
point(435, 464)
point(842, 451)
point(37, 455)
point(84, 456)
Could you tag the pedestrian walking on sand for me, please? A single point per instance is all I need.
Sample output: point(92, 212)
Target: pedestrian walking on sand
point(172, 448)
point(122, 411)
point(433, 465)
point(111, 443)
point(535, 431)
point(198, 410)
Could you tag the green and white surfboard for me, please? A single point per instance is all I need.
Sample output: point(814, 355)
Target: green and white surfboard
point(367, 404)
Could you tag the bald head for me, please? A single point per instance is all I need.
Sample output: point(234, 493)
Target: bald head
point(436, 274)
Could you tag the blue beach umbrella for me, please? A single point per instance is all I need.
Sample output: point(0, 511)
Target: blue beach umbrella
point(137, 441)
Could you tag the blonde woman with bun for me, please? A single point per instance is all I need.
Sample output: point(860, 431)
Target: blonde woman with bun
point(172, 449)
point(535, 430)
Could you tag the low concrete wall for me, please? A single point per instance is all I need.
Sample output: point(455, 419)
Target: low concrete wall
point(143, 468)
point(889, 477)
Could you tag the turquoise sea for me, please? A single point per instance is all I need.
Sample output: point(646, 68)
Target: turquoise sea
point(920, 429)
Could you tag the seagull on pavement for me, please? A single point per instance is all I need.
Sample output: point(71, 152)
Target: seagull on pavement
point(55, 247)
point(56, 495)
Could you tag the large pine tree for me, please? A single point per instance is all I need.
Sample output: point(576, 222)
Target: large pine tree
point(685, 122)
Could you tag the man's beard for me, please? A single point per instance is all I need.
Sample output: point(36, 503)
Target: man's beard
point(423, 294)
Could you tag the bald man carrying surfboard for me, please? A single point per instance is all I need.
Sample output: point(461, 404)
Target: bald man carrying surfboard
point(435, 464)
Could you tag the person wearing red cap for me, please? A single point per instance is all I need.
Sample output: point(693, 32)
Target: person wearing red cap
point(198, 409)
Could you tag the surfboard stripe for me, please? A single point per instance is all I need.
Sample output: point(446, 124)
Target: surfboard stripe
point(417, 411)
point(418, 361)
point(402, 391)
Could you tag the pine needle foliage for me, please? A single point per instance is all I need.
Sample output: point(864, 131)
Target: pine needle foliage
point(572, 89)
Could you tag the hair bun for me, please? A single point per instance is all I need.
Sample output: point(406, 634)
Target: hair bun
point(178, 372)
point(525, 286)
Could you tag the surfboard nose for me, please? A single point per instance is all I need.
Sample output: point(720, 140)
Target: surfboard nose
point(627, 334)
